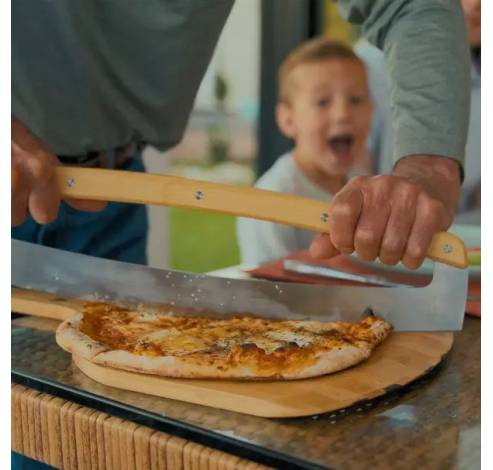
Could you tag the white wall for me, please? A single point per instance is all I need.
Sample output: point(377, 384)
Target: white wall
point(237, 56)
point(157, 242)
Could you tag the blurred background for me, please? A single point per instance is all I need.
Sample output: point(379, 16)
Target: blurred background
point(232, 136)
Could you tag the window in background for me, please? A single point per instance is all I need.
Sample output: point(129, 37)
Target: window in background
point(219, 143)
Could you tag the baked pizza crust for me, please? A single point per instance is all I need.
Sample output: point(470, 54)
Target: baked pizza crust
point(284, 351)
point(70, 338)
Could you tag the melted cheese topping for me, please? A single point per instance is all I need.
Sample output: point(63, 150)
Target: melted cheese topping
point(236, 339)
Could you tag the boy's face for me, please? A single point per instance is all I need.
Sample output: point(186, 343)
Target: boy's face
point(329, 114)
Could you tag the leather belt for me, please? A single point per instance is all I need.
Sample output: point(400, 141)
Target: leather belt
point(114, 158)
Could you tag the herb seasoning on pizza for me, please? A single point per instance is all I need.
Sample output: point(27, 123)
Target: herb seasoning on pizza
point(170, 345)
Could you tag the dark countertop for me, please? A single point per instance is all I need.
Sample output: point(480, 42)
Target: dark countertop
point(434, 423)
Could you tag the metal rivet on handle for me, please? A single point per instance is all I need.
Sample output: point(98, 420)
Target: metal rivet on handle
point(447, 248)
point(324, 217)
point(199, 195)
point(70, 182)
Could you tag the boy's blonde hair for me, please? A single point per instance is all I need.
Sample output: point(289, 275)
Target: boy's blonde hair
point(312, 51)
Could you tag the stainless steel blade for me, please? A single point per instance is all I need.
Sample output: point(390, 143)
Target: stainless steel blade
point(309, 269)
point(438, 306)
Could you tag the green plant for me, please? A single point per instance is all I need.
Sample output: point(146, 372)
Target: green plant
point(202, 241)
point(220, 90)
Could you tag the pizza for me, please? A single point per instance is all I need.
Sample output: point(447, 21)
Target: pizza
point(171, 344)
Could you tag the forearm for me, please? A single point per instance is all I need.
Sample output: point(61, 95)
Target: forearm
point(425, 45)
point(439, 177)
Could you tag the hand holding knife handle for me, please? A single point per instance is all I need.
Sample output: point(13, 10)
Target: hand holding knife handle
point(296, 211)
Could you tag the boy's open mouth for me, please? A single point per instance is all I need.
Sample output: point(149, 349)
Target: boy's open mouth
point(341, 144)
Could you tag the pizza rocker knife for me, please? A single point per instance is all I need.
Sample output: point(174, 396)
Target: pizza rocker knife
point(439, 306)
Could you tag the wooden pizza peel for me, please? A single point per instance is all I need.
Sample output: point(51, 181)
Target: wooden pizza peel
point(400, 360)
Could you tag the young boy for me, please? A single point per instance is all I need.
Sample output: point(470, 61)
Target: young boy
point(324, 106)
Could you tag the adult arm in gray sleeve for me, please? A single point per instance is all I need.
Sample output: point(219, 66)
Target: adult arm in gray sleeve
point(394, 217)
point(424, 42)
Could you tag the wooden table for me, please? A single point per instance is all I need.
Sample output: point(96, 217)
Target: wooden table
point(434, 423)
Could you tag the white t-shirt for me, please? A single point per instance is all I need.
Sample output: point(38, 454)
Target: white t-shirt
point(261, 241)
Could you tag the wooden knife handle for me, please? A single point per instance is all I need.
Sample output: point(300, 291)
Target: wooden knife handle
point(146, 188)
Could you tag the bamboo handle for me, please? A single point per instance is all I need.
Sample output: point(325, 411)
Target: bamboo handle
point(296, 211)
point(145, 188)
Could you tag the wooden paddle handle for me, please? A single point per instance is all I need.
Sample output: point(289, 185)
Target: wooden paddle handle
point(42, 304)
point(296, 211)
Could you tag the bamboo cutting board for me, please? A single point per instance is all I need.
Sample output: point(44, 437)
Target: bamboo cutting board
point(401, 359)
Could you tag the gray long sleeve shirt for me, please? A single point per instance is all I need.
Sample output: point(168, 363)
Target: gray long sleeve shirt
point(427, 55)
point(96, 74)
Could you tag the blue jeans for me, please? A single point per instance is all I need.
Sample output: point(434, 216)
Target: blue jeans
point(119, 232)
point(20, 462)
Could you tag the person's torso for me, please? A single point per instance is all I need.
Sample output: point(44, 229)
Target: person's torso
point(96, 74)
